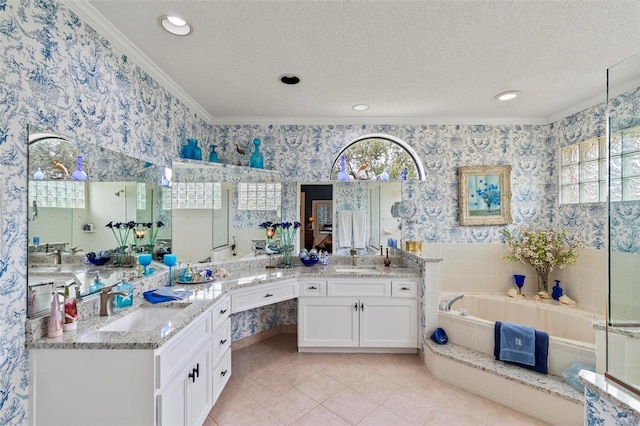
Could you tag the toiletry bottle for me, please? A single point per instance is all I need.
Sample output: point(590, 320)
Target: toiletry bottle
point(54, 328)
point(123, 301)
point(97, 284)
point(70, 311)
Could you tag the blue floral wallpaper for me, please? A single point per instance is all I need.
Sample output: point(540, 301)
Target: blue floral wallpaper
point(58, 73)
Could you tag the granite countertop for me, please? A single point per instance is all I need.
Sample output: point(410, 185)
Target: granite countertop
point(89, 336)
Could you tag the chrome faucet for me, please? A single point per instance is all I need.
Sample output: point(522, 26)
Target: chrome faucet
point(75, 250)
point(354, 256)
point(106, 300)
point(58, 254)
point(445, 304)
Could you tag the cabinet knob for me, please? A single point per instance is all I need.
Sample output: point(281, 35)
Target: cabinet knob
point(268, 295)
point(362, 306)
point(223, 311)
point(313, 287)
point(356, 306)
point(404, 288)
point(222, 342)
point(223, 373)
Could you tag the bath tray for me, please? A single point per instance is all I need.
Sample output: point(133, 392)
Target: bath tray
point(205, 281)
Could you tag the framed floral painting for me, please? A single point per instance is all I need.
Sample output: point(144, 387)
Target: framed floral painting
point(484, 195)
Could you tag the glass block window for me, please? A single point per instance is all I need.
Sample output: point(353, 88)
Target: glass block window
point(625, 165)
point(165, 194)
point(62, 194)
point(583, 172)
point(196, 195)
point(141, 196)
point(583, 169)
point(259, 196)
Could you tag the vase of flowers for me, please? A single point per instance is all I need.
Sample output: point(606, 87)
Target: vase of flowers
point(121, 232)
point(270, 233)
point(543, 250)
point(149, 231)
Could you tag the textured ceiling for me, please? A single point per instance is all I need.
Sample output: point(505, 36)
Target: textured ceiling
point(411, 61)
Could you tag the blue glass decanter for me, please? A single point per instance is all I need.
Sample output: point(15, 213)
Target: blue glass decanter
point(213, 156)
point(256, 161)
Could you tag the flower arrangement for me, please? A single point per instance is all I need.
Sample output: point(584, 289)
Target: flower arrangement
point(287, 232)
point(152, 233)
point(543, 250)
point(123, 231)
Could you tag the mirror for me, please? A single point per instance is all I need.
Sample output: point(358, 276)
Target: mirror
point(375, 198)
point(76, 188)
point(623, 322)
point(217, 209)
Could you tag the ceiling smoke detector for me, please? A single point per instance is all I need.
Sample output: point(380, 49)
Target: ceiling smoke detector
point(289, 79)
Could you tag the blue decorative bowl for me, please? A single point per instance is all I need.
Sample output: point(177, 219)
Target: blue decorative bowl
point(99, 260)
point(310, 261)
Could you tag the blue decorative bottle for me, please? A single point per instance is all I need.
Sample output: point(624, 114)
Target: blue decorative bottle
point(213, 156)
point(79, 174)
point(342, 174)
point(556, 293)
point(194, 150)
point(256, 160)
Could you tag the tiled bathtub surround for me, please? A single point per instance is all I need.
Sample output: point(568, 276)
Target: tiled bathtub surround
point(479, 268)
point(477, 333)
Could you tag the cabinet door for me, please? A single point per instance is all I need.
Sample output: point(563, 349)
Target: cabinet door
point(328, 321)
point(199, 388)
point(388, 322)
point(172, 404)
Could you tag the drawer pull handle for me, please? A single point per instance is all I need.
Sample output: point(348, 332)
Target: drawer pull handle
point(404, 288)
point(356, 306)
point(268, 295)
point(223, 373)
point(362, 307)
point(313, 287)
point(223, 311)
point(222, 342)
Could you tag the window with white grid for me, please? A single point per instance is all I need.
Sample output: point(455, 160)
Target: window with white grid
point(625, 165)
point(62, 194)
point(259, 196)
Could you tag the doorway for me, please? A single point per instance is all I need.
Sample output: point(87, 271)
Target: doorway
point(316, 209)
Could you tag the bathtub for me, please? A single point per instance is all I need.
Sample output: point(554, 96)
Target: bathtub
point(572, 337)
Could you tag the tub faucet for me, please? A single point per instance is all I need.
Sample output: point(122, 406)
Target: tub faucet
point(106, 299)
point(445, 304)
point(354, 256)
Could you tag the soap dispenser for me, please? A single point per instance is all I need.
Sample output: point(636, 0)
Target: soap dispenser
point(556, 292)
point(54, 328)
point(121, 301)
point(97, 284)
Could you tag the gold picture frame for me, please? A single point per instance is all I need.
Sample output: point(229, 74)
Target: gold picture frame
point(484, 195)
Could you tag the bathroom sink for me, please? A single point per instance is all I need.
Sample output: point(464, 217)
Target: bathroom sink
point(356, 270)
point(143, 319)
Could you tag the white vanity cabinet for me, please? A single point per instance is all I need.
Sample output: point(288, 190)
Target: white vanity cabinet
point(175, 384)
point(359, 313)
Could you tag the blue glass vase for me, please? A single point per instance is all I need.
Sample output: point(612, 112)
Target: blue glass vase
point(195, 153)
point(342, 174)
point(256, 160)
point(213, 156)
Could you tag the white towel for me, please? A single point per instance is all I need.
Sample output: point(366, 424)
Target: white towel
point(359, 229)
point(345, 225)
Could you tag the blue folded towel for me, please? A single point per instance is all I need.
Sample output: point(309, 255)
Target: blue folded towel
point(541, 349)
point(165, 295)
point(517, 343)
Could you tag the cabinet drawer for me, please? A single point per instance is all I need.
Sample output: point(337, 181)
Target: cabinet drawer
point(262, 295)
point(221, 341)
point(221, 311)
point(313, 288)
point(221, 374)
point(407, 288)
point(170, 358)
point(359, 287)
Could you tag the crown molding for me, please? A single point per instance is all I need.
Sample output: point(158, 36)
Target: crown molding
point(426, 120)
point(91, 16)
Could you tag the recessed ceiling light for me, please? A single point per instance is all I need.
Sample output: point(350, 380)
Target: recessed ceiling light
point(506, 96)
point(289, 79)
point(360, 107)
point(175, 25)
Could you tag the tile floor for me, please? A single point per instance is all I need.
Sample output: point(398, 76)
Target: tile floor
point(273, 384)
